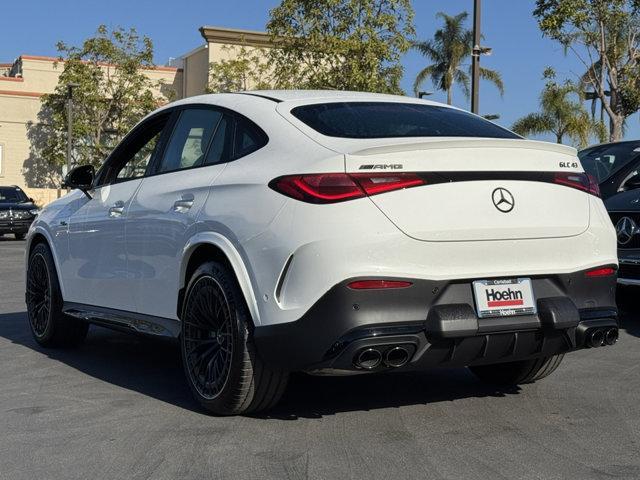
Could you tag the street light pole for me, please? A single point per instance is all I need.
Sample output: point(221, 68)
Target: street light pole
point(475, 59)
point(70, 88)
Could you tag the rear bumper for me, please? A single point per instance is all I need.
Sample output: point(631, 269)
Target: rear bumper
point(436, 322)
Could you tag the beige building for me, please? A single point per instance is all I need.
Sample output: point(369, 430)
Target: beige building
point(24, 81)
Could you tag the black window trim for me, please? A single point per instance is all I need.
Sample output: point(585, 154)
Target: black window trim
point(158, 153)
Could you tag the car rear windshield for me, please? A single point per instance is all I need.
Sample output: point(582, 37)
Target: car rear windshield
point(12, 195)
point(388, 119)
point(605, 160)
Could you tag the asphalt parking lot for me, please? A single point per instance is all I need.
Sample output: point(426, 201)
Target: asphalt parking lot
point(118, 407)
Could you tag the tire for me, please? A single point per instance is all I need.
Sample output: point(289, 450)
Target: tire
point(224, 372)
point(517, 373)
point(50, 327)
point(19, 236)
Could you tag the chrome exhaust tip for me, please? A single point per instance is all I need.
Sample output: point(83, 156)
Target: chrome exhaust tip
point(368, 359)
point(611, 336)
point(595, 338)
point(396, 357)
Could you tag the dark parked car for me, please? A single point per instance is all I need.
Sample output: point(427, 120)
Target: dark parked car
point(624, 209)
point(17, 211)
point(614, 165)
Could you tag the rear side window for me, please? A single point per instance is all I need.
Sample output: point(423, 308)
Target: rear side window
point(388, 119)
point(190, 139)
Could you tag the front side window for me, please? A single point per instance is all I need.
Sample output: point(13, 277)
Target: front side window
point(190, 139)
point(132, 157)
point(388, 119)
point(139, 161)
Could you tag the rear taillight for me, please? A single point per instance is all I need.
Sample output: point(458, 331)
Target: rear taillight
point(581, 181)
point(378, 284)
point(318, 188)
point(601, 272)
point(339, 187)
point(374, 183)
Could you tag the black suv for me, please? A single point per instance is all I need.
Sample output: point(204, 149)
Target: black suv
point(17, 211)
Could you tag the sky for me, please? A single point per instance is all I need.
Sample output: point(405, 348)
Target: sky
point(520, 53)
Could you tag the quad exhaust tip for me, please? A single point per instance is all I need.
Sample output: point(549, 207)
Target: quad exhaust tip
point(369, 358)
point(602, 336)
point(595, 338)
point(396, 357)
point(611, 336)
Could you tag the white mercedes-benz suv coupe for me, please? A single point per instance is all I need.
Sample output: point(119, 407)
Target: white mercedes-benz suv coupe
point(329, 233)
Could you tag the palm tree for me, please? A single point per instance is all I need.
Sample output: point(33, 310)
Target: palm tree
point(561, 115)
point(449, 48)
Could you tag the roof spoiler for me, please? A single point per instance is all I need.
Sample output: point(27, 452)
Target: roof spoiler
point(450, 143)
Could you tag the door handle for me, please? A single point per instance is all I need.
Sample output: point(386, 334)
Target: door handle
point(184, 204)
point(117, 210)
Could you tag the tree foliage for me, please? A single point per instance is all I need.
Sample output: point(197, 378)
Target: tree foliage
point(450, 47)
point(245, 69)
point(341, 44)
point(112, 93)
point(605, 36)
point(562, 114)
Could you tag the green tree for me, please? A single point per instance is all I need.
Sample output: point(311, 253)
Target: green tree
point(247, 69)
point(562, 114)
point(605, 36)
point(450, 47)
point(341, 44)
point(112, 93)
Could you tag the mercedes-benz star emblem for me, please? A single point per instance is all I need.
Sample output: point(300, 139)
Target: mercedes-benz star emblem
point(625, 230)
point(503, 200)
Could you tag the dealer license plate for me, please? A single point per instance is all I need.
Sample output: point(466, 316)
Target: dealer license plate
point(503, 298)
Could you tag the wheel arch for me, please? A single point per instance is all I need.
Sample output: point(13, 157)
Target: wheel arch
point(41, 235)
point(217, 247)
point(35, 239)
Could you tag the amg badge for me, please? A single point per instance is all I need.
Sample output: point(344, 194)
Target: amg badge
point(382, 166)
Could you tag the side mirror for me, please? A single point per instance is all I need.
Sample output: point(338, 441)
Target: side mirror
point(32, 200)
point(632, 183)
point(81, 178)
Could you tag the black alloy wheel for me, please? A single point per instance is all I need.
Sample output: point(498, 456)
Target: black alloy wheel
point(38, 294)
point(225, 373)
point(50, 326)
point(208, 337)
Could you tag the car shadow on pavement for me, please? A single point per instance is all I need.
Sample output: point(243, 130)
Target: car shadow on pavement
point(314, 397)
point(149, 366)
point(630, 323)
point(628, 308)
point(153, 367)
